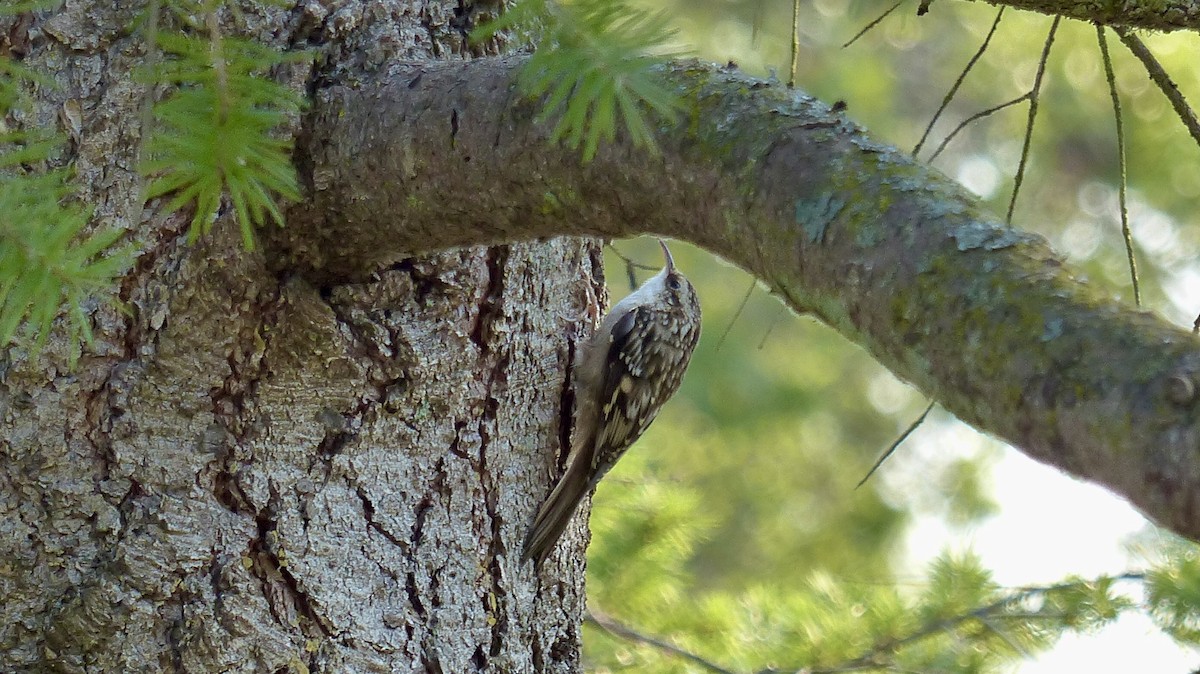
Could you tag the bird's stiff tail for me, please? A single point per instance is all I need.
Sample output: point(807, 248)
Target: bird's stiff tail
point(555, 513)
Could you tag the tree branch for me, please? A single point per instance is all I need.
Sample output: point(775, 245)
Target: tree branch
point(620, 631)
point(982, 317)
point(880, 656)
point(1138, 14)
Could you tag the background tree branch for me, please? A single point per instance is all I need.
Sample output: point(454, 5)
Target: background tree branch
point(1181, 14)
point(982, 317)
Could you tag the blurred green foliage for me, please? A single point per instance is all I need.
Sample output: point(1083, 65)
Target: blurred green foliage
point(733, 528)
point(734, 523)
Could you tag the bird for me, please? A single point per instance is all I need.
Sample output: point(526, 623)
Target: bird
point(633, 364)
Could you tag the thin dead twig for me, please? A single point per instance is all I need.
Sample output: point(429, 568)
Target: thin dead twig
point(1160, 77)
point(629, 634)
point(895, 444)
point(1033, 109)
point(1126, 232)
point(875, 22)
point(958, 82)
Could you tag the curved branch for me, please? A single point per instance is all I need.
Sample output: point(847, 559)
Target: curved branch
point(982, 317)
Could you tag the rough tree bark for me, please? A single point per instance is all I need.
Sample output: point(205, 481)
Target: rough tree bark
point(252, 472)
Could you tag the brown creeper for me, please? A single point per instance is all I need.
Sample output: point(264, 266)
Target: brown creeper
point(623, 375)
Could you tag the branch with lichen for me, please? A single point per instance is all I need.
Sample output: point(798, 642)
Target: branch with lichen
point(1137, 14)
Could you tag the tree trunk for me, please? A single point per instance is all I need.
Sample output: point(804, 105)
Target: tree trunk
point(251, 472)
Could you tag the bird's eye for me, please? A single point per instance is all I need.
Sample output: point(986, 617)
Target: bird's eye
point(673, 282)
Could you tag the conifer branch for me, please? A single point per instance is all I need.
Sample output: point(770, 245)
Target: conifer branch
point(1075, 604)
point(616, 629)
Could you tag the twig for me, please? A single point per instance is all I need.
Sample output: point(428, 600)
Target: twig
point(1116, 101)
point(152, 56)
point(629, 262)
point(879, 19)
point(220, 68)
point(630, 266)
point(1033, 108)
point(771, 326)
point(979, 115)
point(903, 436)
point(795, 43)
point(958, 82)
point(1017, 648)
point(618, 630)
point(756, 20)
point(736, 315)
point(1160, 77)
